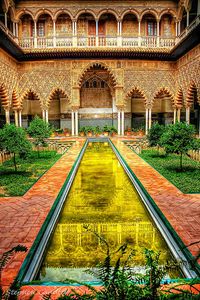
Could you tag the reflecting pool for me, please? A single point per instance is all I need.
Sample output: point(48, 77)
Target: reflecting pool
point(102, 197)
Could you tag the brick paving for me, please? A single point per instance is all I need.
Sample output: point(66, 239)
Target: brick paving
point(22, 217)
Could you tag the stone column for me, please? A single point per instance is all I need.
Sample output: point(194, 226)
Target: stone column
point(122, 114)
point(149, 118)
point(188, 18)
point(119, 33)
point(54, 33)
point(158, 34)
point(14, 29)
point(146, 121)
point(176, 28)
point(17, 29)
point(43, 115)
point(187, 115)
point(6, 19)
point(47, 116)
point(97, 33)
point(35, 34)
point(174, 115)
point(16, 118)
point(139, 33)
point(179, 114)
point(7, 113)
point(74, 33)
point(198, 8)
point(72, 119)
point(76, 122)
point(119, 123)
point(20, 118)
point(179, 27)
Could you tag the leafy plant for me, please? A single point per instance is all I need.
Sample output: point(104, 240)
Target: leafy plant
point(154, 135)
point(106, 128)
point(13, 139)
point(178, 138)
point(39, 130)
point(14, 289)
point(113, 129)
point(97, 130)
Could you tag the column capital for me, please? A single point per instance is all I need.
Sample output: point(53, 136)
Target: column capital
point(75, 108)
point(120, 107)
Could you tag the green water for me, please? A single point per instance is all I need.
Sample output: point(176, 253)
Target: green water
point(103, 197)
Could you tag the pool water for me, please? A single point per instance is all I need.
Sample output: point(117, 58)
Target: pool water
point(103, 198)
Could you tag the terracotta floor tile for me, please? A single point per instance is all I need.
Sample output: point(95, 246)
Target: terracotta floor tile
point(22, 217)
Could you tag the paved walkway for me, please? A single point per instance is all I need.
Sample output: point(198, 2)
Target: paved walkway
point(22, 217)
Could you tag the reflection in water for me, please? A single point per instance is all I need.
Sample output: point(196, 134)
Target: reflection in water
point(103, 197)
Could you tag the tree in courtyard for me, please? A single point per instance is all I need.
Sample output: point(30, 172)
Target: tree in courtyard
point(179, 138)
point(154, 135)
point(39, 130)
point(14, 140)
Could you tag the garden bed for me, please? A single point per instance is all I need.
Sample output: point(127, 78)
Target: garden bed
point(28, 172)
point(187, 181)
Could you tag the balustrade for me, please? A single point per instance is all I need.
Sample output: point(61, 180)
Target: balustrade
point(100, 41)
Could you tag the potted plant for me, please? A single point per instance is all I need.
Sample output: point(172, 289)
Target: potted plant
point(128, 131)
point(141, 131)
point(97, 130)
point(82, 131)
point(89, 131)
point(106, 130)
point(58, 131)
point(66, 131)
point(113, 130)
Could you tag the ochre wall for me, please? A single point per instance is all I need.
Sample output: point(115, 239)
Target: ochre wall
point(148, 77)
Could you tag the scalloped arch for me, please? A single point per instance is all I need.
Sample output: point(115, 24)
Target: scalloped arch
point(4, 96)
point(138, 90)
point(57, 89)
point(25, 94)
point(97, 64)
point(178, 100)
point(15, 101)
point(190, 94)
point(163, 90)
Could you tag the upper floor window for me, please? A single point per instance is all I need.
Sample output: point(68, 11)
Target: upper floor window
point(41, 29)
point(151, 28)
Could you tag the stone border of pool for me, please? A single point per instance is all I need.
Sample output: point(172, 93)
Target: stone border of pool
point(30, 268)
point(175, 244)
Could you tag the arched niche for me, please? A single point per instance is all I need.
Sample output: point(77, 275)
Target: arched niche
point(97, 107)
point(130, 25)
point(26, 26)
point(162, 110)
point(63, 25)
point(167, 26)
point(135, 105)
point(30, 108)
point(59, 110)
